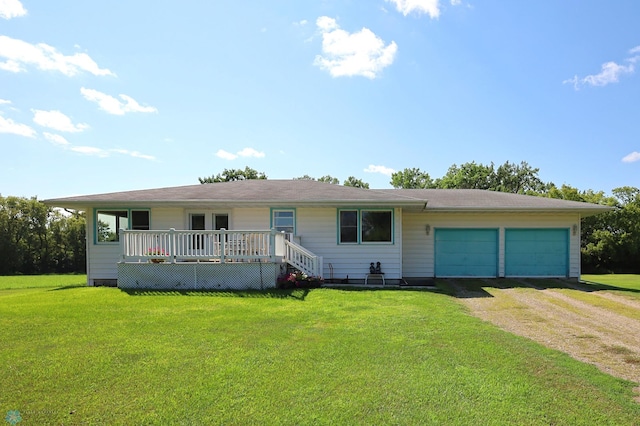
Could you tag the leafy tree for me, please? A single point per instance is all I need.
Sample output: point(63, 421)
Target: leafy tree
point(329, 179)
point(229, 175)
point(412, 178)
point(518, 179)
point(468, 176)
point(357, 183)
point(68, 242)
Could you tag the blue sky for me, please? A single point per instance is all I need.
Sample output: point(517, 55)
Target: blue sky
point(111, 96)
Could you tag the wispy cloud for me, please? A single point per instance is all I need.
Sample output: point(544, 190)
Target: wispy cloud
point(610, 72)
point(428, 7)
point(57, 121)
point(93, 151)
point(246, 152)
point(631, 158)
point(134, 154)
point(379, 169)
point(7, 125)
point(352, 54)
point(19, 54)
point(56, 139)
point(4, 101)
point(114, 106)
point(11, 9)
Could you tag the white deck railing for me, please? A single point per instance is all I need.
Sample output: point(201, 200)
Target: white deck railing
point(222, 246)
point(302, 259)
point(173, 245)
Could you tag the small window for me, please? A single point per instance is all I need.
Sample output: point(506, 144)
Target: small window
point(284, 221)
point(109, 223)
point(349, 226)
point(366, 226)
point(140, 220)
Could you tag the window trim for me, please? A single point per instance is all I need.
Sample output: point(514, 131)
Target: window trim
point(359, 226)
point(115, 209)
point(273, 211)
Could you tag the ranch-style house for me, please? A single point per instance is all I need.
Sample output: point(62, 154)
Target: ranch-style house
point(245, 234)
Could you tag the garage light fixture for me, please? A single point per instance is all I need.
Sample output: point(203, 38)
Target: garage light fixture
point(427, 228)
point(575, 229)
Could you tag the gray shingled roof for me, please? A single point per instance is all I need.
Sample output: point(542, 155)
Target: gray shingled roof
point(292, 193)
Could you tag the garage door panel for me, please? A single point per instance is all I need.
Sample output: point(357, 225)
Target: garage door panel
point(466, 252)
point(537, 252)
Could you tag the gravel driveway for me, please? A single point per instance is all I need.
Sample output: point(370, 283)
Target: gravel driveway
point(598, 327)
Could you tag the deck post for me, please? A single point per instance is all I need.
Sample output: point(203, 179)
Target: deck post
point(223, 244)
point(172, 243)
point(121, 242)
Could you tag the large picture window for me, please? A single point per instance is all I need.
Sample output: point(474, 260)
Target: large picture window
point(365, 226)
point(109, 222)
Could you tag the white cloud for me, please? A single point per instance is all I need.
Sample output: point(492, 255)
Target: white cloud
point(632, 158)
point(352, 54)
point(7, 125)
point(90, 150)
point(114, 106)
point(225, 155)
point(610, 72)
point(57, 121)
point(456, 2)
point(4, 102)
point(11, 9)
point(60, 141)
point(134, 154)
point(429, 7)
point(246, 152)
point(19, 54)
point(301, 23)
point(250, 152)
point(56, 139)
point(379, 169)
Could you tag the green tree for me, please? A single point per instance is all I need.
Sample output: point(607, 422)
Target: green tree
point(329, 179)
point(357, 183)
point(68, 242)
point(229, 175)
point(518, 179)
point(412, 178)
point(468, 176)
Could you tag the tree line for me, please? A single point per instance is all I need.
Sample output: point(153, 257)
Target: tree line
point(35, 238)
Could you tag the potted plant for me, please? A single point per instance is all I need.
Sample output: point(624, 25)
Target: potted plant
point(157, 251)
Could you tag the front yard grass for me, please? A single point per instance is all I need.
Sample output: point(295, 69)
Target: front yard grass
point(76, 355)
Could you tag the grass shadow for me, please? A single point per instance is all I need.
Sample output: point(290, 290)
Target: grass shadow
point(68, 287)
point(464, 288)
point(292, 294)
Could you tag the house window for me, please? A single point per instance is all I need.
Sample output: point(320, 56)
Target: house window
point(365, 226)
point(109, 222)
point(348, 226)
point(284, 220)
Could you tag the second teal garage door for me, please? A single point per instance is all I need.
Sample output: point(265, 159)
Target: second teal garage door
point(466, 252)
point(536, 252)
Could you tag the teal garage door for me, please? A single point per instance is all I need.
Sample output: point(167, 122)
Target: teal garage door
point(536, 252)
point(466, 252)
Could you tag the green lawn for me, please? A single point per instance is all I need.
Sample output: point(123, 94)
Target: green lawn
point(81, 355)
point(621, 281)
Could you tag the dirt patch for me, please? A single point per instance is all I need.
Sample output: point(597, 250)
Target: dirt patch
point(567, 319)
